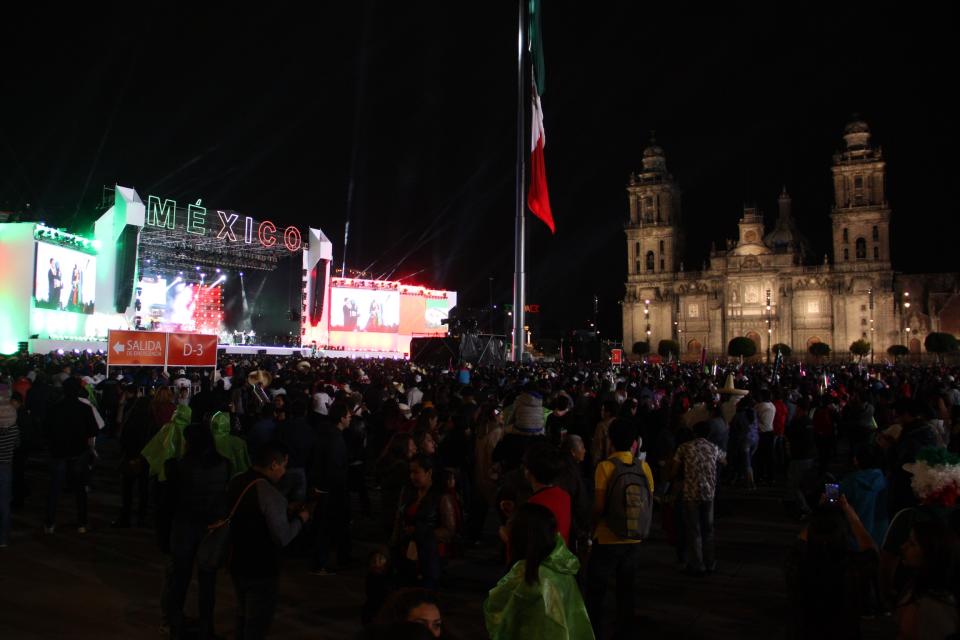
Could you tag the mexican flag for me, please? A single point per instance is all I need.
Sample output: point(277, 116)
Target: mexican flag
point(538, 199)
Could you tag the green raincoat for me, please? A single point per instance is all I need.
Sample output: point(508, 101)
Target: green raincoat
point(551, 609)
point(231, 447)
point(168, 443)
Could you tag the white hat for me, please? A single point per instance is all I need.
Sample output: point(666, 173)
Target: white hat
point(730, 389)
point(405, 410)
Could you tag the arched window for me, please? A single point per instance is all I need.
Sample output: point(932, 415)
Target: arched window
point(636, 259)
point(846, 254)
point(861, 249)
point(876, 253)
point(649, 260)
point(846, 236)
point(876, 233)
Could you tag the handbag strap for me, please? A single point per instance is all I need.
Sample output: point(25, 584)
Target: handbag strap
point(237, 503)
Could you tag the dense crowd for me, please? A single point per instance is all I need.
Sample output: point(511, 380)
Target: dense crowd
point(572, 461)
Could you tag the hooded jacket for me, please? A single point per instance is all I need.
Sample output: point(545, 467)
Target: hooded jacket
point(551, 609)
point(866, 491)
point(167, 444)
point(229, 446)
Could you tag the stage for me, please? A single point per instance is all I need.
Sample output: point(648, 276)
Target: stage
point(159, 266)
point(97, 346)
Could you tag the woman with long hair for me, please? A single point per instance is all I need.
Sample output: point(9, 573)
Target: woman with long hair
point(928, 605)
point(162, 407)
point(418, 527)
point(538, 598)
point(829, 586)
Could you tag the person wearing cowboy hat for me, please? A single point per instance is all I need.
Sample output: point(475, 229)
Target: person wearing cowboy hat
point(733, 395)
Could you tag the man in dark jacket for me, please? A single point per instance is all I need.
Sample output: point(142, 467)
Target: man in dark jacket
point(136, 429)
point(193, 498)
point(329, 478)
point(300, 439)
point(71, 431)
point(260, 528)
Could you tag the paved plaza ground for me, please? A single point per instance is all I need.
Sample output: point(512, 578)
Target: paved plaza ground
point(106, 583)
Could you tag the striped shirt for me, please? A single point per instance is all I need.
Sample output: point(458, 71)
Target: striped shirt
point(9, 440)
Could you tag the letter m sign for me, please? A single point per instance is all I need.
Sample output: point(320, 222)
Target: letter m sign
point(161, 215)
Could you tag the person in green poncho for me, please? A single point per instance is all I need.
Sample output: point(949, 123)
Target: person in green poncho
point(231, 447)
point(538, 599)
point(167, 443)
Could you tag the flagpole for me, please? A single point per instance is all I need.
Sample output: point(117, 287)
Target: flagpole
point(523, 150)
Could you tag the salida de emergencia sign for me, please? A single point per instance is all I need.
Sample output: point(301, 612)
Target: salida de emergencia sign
point(153, 349)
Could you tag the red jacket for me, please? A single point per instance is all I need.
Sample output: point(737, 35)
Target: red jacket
point(558, 501)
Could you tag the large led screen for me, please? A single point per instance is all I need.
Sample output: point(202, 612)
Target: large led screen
point(367, 310)
point(65, 279)
point(179, 305)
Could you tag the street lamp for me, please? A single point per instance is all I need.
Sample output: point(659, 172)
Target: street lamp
point(769, 326)
point(903, 316)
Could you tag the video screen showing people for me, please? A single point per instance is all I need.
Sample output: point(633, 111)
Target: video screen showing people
point(65, 279)
point(369, 310)
point(437, 310)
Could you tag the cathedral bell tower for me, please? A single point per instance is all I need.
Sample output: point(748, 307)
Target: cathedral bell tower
point(654, 249)
point(861, 216)
point(653, 233)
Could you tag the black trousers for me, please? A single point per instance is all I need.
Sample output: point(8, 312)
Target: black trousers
point(256, 606)
point(606, 561)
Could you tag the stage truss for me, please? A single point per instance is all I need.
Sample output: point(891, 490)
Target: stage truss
point(177, 250)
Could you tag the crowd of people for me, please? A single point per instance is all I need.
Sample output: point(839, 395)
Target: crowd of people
point(571, 464)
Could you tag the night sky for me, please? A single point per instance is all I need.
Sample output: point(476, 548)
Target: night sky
point(401, 116)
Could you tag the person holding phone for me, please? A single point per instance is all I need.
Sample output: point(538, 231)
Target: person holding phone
point(827, 581)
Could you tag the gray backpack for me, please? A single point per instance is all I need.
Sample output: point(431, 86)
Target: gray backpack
point(629, 508)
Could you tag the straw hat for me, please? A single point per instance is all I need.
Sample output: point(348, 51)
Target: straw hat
point(261, 376)
point(731, 390)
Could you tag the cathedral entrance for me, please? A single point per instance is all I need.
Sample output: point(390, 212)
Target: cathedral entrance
point(753, 335)
point(694, 347)
point(915, 345)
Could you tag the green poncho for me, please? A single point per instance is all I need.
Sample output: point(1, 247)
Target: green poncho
point(231, 447)
point(168, 443)
point(551, 609)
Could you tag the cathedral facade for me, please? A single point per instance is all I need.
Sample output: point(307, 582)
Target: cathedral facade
point(764, 286)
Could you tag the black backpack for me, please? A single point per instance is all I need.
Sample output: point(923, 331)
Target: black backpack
point(629, 508)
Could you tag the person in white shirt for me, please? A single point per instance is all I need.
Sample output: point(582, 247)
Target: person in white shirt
point(321, 401)
point(764, 458)
point(731, 396)
point(414, 394)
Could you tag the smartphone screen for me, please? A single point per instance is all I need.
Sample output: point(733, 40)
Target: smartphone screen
point(832, 492)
